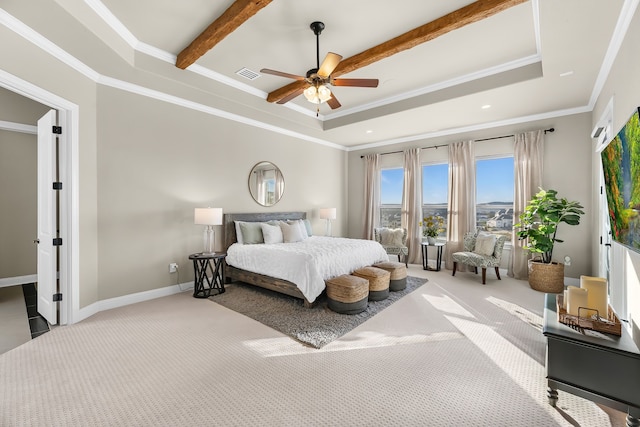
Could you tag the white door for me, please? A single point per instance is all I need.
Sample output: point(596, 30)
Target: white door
point(47, 254)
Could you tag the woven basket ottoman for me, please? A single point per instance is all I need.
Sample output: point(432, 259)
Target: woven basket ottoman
point(378, 282)
point(347, 294)
point(398, 272)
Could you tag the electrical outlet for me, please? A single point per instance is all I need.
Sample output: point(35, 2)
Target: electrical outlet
point(567, 260)
point(173, 267)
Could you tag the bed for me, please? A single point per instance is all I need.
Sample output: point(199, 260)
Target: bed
point(296, 269)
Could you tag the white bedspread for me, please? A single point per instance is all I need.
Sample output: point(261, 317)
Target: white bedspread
point(308, 263)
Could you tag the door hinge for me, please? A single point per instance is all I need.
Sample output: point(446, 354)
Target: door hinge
point(57, 297)
point(57, 186)
point(57, 130)
point(57, 241)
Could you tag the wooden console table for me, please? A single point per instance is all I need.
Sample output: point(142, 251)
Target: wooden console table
point(603, 368)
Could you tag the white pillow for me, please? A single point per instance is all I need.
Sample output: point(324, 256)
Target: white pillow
point(301, 226)
point(292, 233)
point(271, 233)
point(391, 237)
point(485, 243)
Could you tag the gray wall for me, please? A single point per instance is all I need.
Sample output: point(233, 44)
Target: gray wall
point(157, 165)
point(18, 193)
point(567, 163)
point(18, 204)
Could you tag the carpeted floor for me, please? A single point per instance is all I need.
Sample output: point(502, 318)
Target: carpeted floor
point(316, 326)
point(452, 352)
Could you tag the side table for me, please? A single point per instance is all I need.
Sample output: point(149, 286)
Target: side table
point(425, 253)
point(203, 265)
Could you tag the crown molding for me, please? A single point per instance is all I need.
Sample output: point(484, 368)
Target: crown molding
point(472, 128)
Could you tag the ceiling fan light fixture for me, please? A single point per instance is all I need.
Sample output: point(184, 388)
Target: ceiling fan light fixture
point(324, 93)
point(317, 94)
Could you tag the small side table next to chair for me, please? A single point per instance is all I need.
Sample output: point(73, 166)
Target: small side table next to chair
point(425, 253)
point(203, 265)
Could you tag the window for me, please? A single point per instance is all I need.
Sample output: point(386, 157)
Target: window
point(494, 195)
point(391, 184)
point(435, 181)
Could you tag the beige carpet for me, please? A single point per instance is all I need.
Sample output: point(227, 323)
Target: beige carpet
point(14, 323)
point(453, 352)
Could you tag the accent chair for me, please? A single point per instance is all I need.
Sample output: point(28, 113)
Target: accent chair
point(482, 250)
point(394, 241)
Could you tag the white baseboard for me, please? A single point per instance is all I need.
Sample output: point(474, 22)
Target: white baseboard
point(110, 303)
point(18, 280)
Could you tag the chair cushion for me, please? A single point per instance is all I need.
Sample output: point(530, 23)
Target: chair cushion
point(485, 244)
point(391, 237)
point(475, 260)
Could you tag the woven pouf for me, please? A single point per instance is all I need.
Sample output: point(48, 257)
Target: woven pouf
point(398, 272)
point(347, 294)
point(378, 282)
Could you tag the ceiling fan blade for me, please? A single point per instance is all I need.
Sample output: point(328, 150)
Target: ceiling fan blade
point(290, 96)
point(281, 74)
point(333, 102)
point(355, 82)
point(329, 63)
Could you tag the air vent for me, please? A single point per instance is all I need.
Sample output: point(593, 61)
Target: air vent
point(247, 73)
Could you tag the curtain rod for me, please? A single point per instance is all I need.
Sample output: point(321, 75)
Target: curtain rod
point(476, 140)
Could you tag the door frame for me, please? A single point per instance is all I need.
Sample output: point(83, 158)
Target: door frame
point(68, 119)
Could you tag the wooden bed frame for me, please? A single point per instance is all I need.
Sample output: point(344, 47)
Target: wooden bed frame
point(235, 274)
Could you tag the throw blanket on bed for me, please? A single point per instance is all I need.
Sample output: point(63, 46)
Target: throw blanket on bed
point(308, 263)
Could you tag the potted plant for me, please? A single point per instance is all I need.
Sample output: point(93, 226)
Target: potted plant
point(432, 226)
point(539, 227)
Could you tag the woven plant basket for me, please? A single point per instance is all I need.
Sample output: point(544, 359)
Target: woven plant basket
point(545, 277)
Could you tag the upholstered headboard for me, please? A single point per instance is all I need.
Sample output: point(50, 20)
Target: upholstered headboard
point(230, 228)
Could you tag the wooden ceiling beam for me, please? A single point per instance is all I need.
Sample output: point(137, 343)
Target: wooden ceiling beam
point(239, 12)
point(469, 14)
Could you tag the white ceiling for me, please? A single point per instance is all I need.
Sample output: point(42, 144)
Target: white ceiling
point(512, 61)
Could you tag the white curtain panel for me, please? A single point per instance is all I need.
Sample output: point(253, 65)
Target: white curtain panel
point(371, 194)
point(412, 203)
point(528, 163)
point(461, 214)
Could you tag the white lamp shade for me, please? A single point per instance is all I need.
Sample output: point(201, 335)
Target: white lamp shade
point(208, 216)
point(328, 213)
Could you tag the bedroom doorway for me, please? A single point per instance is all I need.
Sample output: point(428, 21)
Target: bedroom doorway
point(66, 268)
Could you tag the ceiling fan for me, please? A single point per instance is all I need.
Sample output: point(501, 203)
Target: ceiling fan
point(318, 78)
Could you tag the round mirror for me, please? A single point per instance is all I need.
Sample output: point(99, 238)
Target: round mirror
point(266, 183)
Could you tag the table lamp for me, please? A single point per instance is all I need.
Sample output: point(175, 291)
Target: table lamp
point(328, 214)
point(208, 217)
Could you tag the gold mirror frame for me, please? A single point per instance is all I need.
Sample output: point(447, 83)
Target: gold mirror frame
point(266, 183)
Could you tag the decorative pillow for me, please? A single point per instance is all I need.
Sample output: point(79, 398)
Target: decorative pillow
point(301, 226)
point(307, 226)
point(391, 237)
point(251, 233)
point(238, 232)
point(292, 232)
point(485, 243)
point(271, 233)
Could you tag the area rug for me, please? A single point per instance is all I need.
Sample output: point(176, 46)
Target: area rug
point(315, 326)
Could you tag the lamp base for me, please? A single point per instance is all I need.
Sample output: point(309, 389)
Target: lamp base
point(209, 240)
point(328, 229)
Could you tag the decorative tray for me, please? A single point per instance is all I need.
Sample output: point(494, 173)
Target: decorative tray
point(611, 325)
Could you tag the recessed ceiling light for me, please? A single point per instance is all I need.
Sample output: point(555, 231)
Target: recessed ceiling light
point(369, 131)
point(486, 106)
point(566, 73)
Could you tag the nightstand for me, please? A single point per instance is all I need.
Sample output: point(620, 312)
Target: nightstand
point(209, 274)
